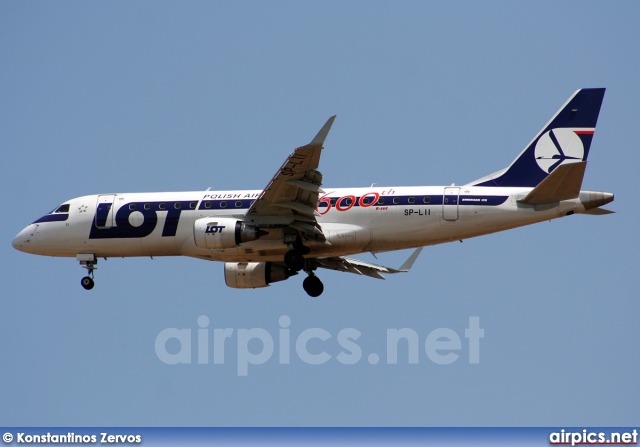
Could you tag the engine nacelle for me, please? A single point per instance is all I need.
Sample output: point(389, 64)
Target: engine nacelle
point(223, 232)
point(251, 275)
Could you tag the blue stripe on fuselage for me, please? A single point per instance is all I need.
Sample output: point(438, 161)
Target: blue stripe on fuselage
point(149, 210)
point(53, 218)
point(420, 200)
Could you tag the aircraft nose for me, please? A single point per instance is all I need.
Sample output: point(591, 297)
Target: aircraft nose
point(25, 238)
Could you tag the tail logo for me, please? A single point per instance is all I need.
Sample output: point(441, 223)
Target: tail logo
point(557, 147)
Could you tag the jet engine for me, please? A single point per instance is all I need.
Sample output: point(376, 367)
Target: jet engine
point(251, 275)
point(224, 232)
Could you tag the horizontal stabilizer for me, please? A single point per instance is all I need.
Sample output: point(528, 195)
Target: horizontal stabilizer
point(598, 212)
point(562, 184)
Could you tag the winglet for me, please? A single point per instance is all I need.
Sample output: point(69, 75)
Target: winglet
point(318, 140)
point(409, 262)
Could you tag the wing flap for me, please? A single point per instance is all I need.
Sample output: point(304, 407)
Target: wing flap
point(307, 227)
point(307, 186)
point(359, 267)
point(302, 208)
point(352, 266)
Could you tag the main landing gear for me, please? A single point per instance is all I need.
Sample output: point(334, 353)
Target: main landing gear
point(312, 285)
point(294, 260)
point(88, 262)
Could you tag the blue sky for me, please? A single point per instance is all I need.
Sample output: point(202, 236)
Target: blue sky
point(100, 97)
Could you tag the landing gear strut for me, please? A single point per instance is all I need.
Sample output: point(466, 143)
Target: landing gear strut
point(312, 285)
point(88, 262)
point(294, 260)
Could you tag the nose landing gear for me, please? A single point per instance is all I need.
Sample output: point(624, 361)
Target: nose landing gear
point(87, 282)
point(89, 262)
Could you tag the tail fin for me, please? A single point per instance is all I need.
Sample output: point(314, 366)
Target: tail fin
point(565, 139)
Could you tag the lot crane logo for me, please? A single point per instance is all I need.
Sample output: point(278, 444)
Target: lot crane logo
point(558, 146)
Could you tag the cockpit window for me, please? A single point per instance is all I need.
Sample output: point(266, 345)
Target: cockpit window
point(62, 209)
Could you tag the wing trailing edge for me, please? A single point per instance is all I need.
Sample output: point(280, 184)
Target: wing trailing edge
point(358, 267)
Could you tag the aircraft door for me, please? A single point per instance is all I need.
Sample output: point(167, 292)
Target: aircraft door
point(104, 211)
point(450, 203)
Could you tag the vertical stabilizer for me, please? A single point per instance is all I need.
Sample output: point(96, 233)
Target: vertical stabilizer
point(565, 139)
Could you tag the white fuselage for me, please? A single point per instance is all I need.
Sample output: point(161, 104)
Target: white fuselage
point(354, 220)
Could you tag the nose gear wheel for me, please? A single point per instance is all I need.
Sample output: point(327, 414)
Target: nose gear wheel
point(88, 262)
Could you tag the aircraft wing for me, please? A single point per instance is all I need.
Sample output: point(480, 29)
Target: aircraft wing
point(358, 267)
point(293, 191)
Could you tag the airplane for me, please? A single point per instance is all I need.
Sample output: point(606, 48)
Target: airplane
point(296, 224)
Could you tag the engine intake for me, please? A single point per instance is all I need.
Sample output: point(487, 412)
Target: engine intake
point(224, 232)
point(251, 275)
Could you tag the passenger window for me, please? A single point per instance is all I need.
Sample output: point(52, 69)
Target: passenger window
point(192, 205)
point(132, 206)
point(366, 200)
point(238, 204)
point(396, 200)
point(147, 206)
point(162, 206)
point(177, 205)
point(412, 200)
point(207, 205)
point(381, 201)
point(333, 201)
point(223, 204)
point(427, 199)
